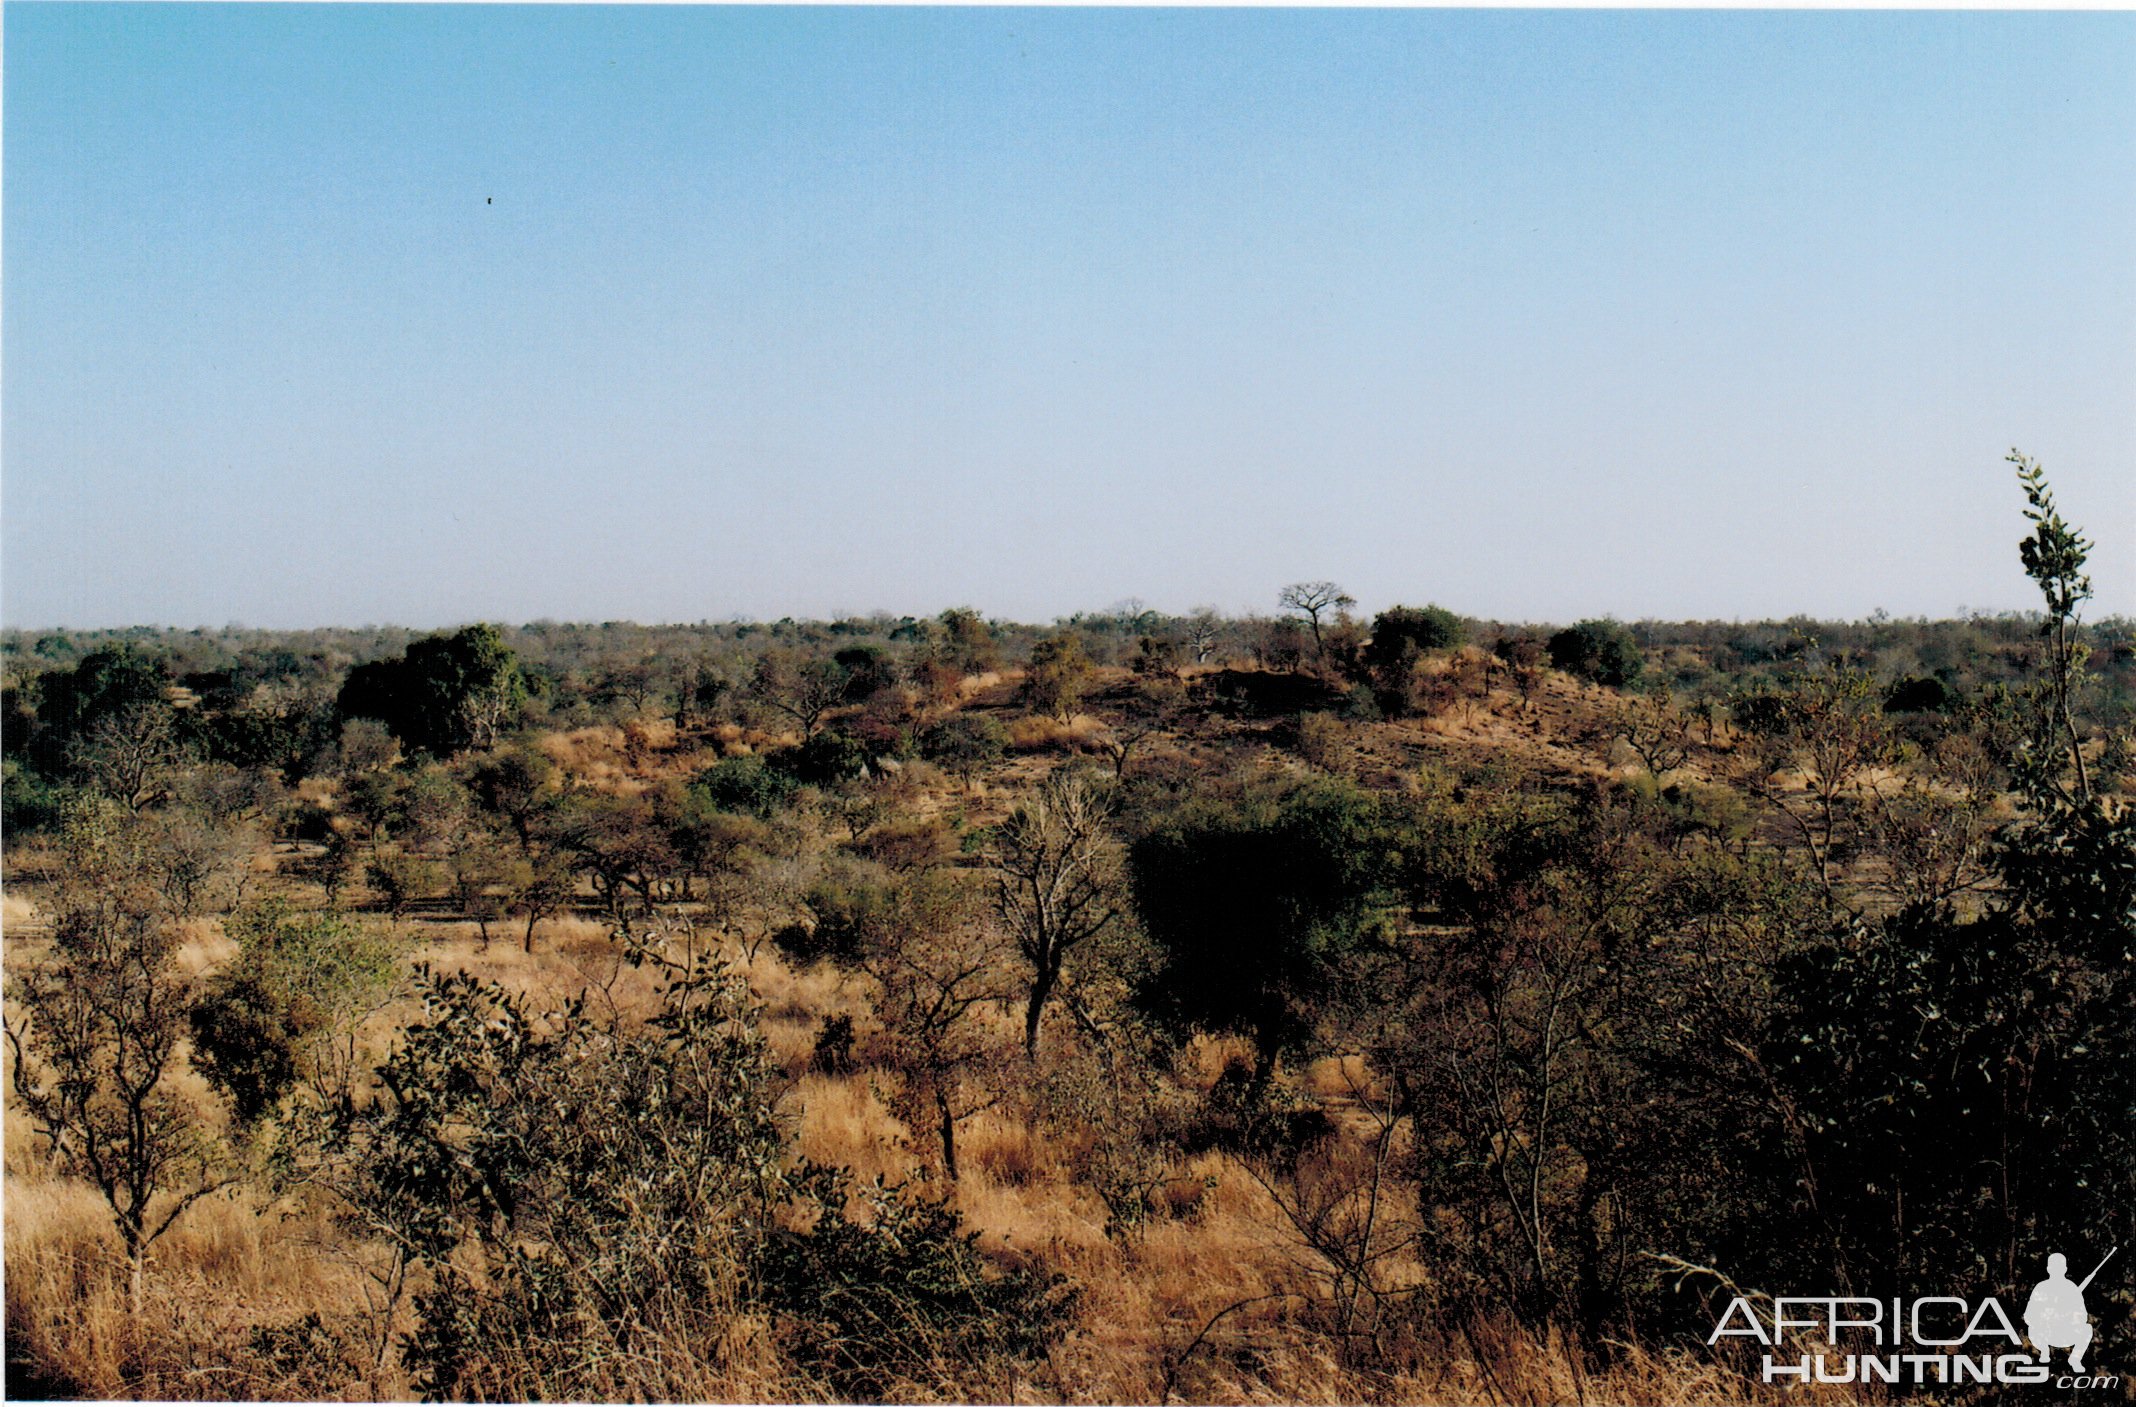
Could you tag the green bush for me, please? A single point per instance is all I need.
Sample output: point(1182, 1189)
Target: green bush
point(619, 1195)
point(271, 1016)
point(745, 785)
point(1601, 650)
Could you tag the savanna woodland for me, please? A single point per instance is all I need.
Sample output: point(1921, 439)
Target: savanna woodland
point(1145, 1008)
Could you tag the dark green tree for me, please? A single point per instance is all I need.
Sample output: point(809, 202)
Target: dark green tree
point(1253, 908)
point(446, 694)
point(1601, 650)
point(1401, 636)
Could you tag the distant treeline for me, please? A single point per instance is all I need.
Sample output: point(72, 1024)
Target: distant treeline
point(616, 661)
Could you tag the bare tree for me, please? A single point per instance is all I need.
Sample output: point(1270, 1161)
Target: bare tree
point(100, 1027)
point(1656, 731)
point(938, 963)
point(1059, 882)
point(1313, 599)
point(1202, 630)
point(132, 755)
point(801, 687)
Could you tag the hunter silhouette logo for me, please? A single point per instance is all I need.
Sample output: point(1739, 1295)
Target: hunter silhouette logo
point(1930, 1340)
point(2055, 1317)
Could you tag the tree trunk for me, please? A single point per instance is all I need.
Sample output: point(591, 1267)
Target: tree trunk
point(1041, 989)
point(949, 1134)
point(130, 1233)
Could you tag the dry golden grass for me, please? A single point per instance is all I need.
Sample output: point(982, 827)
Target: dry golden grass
point(203, 947)
point(227, 1268)
point(842, 1123)
point(1217, 1249)
point(16, 911)
point(1038, 733)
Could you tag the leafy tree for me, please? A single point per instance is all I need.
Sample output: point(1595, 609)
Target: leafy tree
point(892, 1291)
point(971, 644)
point(476, 869)
point(622, 848)
point(1401, 636)
point(963, 743)
point(1253, 909)
point(1601, 650)
point(1426, 628)
point(746, 785)
point(1961, 1086)
point(106, 683)
point(1915, 694)
point(869, 670)
point(365, 745)
point(28, 802)
point(447, 693)
point(516, 785)
point(700, 695)
point(825, 758)
point(287, 1008)
point(1057, 676)
point(1560, 1040)
point(584, 1194)
point(537, 886)
point(284, 726)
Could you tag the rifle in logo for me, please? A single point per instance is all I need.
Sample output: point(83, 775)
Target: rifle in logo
point(2055, 1316)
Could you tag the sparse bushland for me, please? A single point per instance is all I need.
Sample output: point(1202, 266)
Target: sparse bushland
point(931, 1009)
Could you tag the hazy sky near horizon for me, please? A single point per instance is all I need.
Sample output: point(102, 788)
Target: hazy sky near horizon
point(354, 314)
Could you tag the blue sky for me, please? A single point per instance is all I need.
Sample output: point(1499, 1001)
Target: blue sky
point(348, 314)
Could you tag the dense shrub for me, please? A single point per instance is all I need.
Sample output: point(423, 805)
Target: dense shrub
point(830, 756)
point(1601, 650)
point(746, 785)
point(1252, 910)
point(619, 1198)
point(964, 742)
point(1916, 694)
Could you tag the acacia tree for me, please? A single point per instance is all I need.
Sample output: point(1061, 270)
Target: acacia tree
point(1656, 731)
point(1058, 886)
point(1830, 731)
point(802, 687)
point(938, 963)
point(1314, 599)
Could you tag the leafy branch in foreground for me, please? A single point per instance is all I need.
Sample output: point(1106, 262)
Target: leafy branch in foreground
point(583, 1195)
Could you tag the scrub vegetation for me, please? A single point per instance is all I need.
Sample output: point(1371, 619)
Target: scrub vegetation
point(1141, 1008)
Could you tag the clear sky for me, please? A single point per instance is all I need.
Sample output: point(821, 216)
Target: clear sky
point(351, 314)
